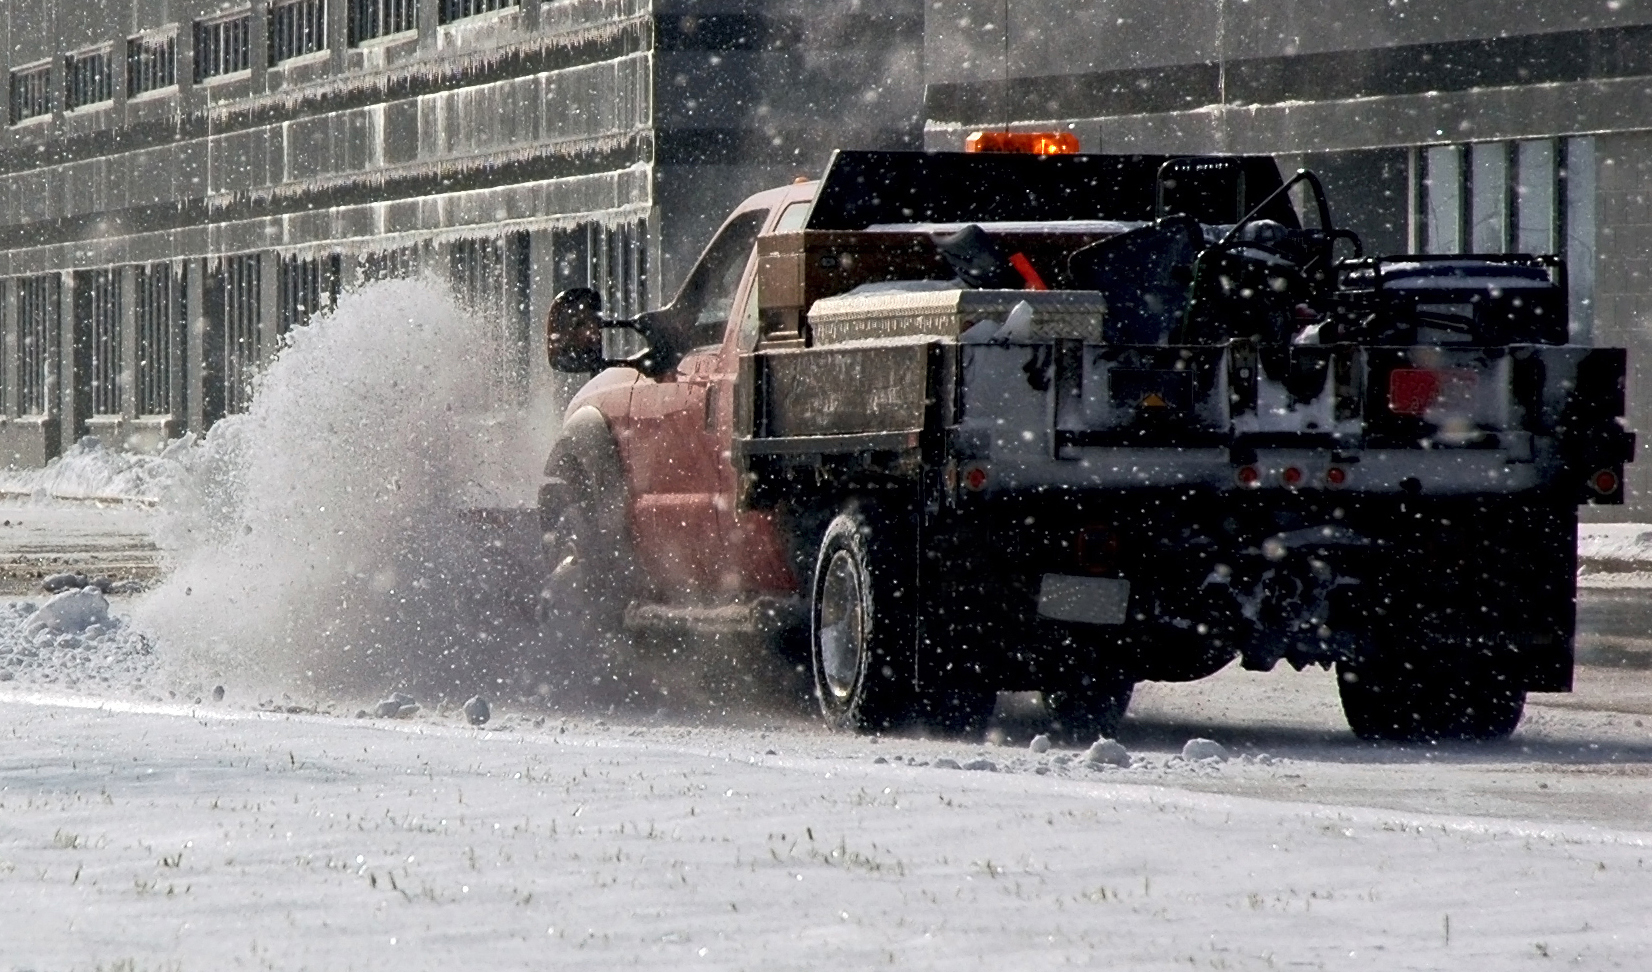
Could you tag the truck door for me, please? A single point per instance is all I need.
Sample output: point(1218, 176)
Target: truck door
point(756, 551)
point(675, 452)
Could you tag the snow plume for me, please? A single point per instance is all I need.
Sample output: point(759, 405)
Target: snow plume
point(328, 540)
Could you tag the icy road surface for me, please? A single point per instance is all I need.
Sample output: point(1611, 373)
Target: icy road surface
point(146, 837)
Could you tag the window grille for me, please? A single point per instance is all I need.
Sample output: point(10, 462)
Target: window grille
point(151, 63)
point(97, 338)
point(307, 288)
point(158, 314)
point(31, 93)
point(397, 264)
point(88, 78)
point(238, 283)
point(223, 46)
point(490, 279)
point(451, 10)
point(297, 27)
point(36, 342)
point(381, 18)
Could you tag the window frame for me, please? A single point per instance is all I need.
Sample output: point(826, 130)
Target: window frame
point(71, 61)
point(458, 11)
point(274, 31)
point(41, 69)
point(139, 42)
point(219, 23)
point(355, 37)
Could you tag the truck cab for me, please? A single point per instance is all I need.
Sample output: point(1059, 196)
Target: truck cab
point(669, 412)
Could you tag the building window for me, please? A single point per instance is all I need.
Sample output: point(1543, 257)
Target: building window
point(31, 93)
point(151, 63)
point(297, 27)
point(1531, 196)
point(89, 80)
point(451, 10)
point(239, 291)
point(381, 18)
point(490, 279)
point(307, 287)
point(158, 313)
point(223, 46)
point(36, 342)
point(97, 338)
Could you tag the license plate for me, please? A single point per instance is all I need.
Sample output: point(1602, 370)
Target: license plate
point(1087, 600)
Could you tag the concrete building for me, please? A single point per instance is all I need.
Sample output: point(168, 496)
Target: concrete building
point(182, 181)
point(1438, 125)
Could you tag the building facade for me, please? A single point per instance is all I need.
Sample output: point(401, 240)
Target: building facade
point(1437, 125)
point(183, 181)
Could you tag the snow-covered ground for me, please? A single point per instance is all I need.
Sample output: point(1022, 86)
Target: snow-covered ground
point(191, 779)
point(211, 837)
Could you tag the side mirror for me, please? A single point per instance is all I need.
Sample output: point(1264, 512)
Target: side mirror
point(573, 331)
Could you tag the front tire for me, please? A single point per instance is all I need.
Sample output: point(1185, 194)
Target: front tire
point(863, 623)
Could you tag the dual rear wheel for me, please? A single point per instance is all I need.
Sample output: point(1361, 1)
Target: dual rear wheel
point(866, 616)
point(1416, 696)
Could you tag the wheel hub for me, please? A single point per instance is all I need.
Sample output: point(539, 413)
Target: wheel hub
point(842, 626)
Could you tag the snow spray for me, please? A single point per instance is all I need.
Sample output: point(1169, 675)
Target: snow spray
point(329, 539)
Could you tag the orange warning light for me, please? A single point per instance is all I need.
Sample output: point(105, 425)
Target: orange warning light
point(1025, 143)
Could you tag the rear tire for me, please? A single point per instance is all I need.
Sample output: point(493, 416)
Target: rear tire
point(1457, 696)
point(958, 712)
point(1093, 710)
point(863, 623)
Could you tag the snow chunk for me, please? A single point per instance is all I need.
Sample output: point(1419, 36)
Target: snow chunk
point(1204, 749)
point(1040, 743)
point(72, 611)
point(1107, 751)
point(477, 711)
point(982, 765)
point(398, 706)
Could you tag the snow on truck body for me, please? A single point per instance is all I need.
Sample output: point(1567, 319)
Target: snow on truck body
point(1065, 423)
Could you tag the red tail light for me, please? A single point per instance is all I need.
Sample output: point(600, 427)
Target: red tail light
point(1605, 482)
point(1414, 391)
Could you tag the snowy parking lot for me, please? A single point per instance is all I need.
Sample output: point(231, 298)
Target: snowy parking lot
point(157, 836)
point(215, 837)
point(699, 816)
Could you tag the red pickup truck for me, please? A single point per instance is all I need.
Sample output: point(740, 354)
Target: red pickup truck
point(983, 422)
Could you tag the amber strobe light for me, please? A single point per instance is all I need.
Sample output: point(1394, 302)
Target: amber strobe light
point(1025, 143)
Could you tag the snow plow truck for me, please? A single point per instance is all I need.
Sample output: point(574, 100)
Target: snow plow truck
point(956, 423)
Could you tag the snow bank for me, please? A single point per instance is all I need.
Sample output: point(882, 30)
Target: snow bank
point(1631, 542)
point(72, 641)
point(92, 470)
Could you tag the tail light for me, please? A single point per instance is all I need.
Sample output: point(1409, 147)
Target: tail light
point(1292, 477)
point(975, 479)
point(1336, 476)
point(1023, 143)
point(1247, 476)
point(1416, 391)
point(1098, 548)
point(1604, 482)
